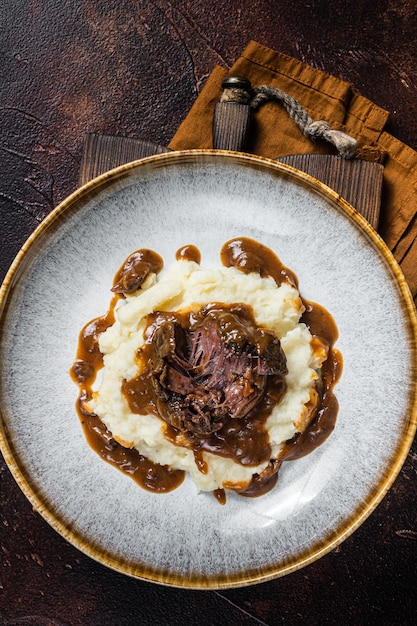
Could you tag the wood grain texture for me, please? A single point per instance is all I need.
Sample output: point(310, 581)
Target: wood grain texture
point(357, 181)
point(231, 126)
point(134, 69)
point(104, 152)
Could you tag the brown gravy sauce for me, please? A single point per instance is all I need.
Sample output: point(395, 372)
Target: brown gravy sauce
point(188, 253)
point(245, 440)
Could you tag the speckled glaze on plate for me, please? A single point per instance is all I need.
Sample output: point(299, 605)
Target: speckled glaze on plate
point(62, 278)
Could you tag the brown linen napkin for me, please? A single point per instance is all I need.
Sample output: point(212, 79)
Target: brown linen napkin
point(324, 97)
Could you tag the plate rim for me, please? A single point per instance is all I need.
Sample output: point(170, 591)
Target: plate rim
point(246, 577)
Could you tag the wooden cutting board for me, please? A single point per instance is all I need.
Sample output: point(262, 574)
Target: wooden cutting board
point(357, 181)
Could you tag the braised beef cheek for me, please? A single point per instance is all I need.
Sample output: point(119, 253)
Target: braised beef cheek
point(210, 366)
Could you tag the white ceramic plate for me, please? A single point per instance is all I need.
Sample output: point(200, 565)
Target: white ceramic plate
point(61, 279)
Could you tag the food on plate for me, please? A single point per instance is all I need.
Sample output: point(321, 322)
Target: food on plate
point(222, 373)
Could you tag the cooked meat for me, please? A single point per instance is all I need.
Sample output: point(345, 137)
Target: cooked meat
point(213, 369)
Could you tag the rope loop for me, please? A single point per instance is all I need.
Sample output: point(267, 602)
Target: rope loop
point(320, 129)
point(316, 130)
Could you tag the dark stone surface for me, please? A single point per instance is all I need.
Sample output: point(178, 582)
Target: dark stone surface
point(134, 68)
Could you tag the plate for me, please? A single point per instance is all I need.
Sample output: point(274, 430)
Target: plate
point(62, 278)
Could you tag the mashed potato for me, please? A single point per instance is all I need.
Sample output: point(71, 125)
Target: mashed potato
point(187, 286)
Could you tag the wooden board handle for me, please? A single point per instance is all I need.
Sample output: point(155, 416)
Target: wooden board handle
point(232, 118)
